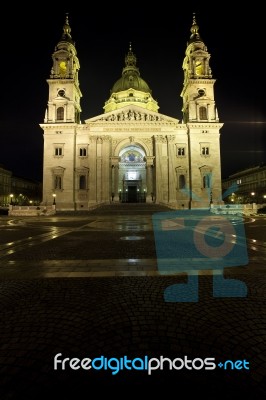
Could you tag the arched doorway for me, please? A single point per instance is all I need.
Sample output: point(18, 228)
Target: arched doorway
point(132, 184)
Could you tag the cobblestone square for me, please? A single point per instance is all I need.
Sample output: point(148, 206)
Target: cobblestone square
point(87, 285)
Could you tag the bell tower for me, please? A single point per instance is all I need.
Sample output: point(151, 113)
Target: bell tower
point(198, 92)
point(61, 123)
point(203, 127)
point(64, 92)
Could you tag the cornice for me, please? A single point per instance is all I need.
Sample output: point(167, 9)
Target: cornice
point(58, 127)
point(206, 125)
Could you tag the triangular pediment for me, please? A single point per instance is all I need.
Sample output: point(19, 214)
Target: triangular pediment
point(132, 113)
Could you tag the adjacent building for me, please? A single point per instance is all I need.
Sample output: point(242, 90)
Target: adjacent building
point(25, 191)
point(18, 190)
point(131, 152)
point(5, 186)
point(246, 186)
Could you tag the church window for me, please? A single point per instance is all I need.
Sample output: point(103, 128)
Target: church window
point(201, 92)
point(181, 151)
point(58, 182)
point(82, 152)
point(60, 114)
point(82, 182)
point(202, 113)
point(206, 181)
point(205, 149)
point(58, 151)
point(61, 93)
point(182, 181)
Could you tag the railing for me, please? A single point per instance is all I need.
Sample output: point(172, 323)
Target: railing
point(243, 209)
point(31, 210)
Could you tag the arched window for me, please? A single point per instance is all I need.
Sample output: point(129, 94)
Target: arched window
point(82, 182)
point(182, 181)
point(82, 152)
point(202, 113)
point(60, 114)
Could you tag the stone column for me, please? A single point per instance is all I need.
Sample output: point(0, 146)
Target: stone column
point(106, 184)
point(160, 169)
point(149, 179)
point(171, 170)
point(112, 180)
point(92, 176)
point(114, 177)
point(99, 159)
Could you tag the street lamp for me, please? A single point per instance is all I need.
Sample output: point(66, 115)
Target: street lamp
point(54, 196)
point(211, 202)
point(253, 196)
point(11, 199)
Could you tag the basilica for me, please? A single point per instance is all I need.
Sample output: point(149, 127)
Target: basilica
point(131, 152)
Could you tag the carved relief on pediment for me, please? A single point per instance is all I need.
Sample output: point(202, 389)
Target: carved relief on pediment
point(131, 115)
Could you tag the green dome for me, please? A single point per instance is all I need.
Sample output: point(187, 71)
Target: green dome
point(131, 80)
point(130, 77)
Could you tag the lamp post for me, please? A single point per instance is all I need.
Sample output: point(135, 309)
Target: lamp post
point(253, 196)
point(254, 202)
point(54, 196)
point(11, 199)
point(211, 202)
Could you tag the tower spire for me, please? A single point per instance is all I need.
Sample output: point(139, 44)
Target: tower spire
point(66, 35)
point(131, 60)
point(195, 36)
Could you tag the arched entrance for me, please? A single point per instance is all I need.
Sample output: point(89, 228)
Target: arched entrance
point(132, 184)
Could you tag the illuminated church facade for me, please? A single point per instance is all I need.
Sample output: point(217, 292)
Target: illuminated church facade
point(131, 152)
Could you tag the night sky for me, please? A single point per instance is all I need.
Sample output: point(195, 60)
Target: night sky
point(159, 35)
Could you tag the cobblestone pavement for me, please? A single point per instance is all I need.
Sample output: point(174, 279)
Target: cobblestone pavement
point(88, 286)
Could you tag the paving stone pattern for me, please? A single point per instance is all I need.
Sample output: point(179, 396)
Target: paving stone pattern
point(120, 316)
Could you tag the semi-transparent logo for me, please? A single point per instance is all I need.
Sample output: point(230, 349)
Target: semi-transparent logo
point(188, 241)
